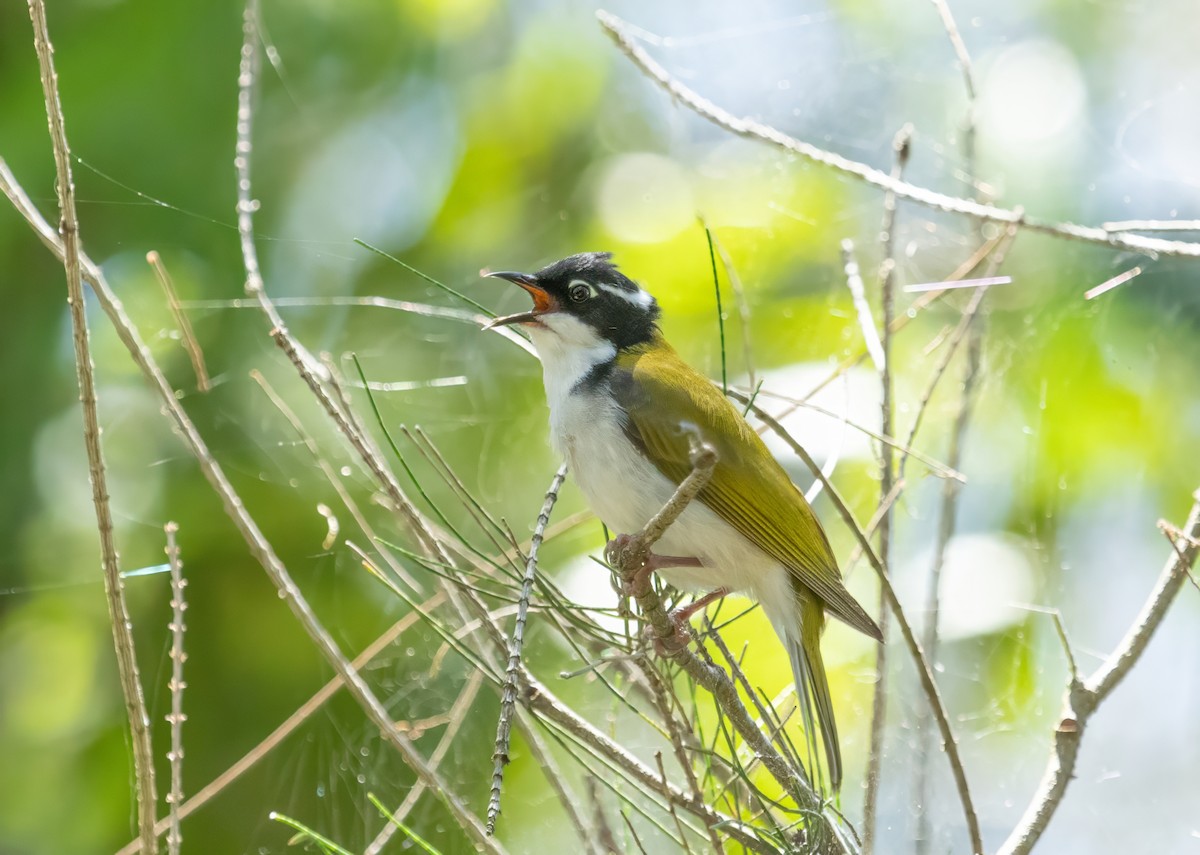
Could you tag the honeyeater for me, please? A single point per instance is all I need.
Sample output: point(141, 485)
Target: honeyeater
point(623, 410)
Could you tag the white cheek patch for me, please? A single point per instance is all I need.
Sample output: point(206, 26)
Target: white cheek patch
point(639, 298)
point(572, 330)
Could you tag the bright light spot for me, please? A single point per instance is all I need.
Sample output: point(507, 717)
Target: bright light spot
point(987, 580)
point(645, 198)
point(585, 582)
point(1033, 92)
point(855, 395)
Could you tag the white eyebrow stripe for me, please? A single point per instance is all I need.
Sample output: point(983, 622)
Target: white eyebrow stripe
point(639, 297)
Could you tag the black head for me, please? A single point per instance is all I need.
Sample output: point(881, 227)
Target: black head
point(589, 288)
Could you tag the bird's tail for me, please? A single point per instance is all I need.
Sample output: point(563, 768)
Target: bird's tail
point(802, 639)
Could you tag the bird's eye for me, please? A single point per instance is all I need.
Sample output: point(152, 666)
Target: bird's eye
point(580, 291)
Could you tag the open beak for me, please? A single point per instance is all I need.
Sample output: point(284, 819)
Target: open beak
point(542, 301)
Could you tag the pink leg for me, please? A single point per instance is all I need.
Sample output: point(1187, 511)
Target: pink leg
point(684, 614)
point(614, 548)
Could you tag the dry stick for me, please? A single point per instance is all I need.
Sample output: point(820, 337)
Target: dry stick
point(630, 560)
point(516, 642)
point(1083, 697)
point(858, 294)
point(176, 718)
point(1173, 534)
point(288, 727)
point(968, 75)
point(947, 514)
point(900, 146)
point(257, 542)
point(334, 479)
point(924, 671)
point(118, 611)
point(619, 31)
point(190, 344)
point(663, 701)
point(457, 715)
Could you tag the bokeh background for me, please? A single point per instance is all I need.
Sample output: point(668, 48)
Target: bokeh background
point(475, 133)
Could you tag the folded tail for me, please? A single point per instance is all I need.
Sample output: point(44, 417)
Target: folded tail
point(800, 630)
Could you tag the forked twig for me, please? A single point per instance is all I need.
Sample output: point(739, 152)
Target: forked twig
point(1083, 697)
point(118, 611)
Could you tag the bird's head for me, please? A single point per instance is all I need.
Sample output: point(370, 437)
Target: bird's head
point(584, 300)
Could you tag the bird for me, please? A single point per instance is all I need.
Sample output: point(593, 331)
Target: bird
point(625, 410)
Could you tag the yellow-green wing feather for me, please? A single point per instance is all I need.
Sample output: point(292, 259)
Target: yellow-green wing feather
point(665, 400)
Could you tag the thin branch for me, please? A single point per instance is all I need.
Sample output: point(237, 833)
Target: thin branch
point(924, 669)
point(176, 718)
point(516, 642)
point(968, 75)
point(118, 611)
point(858, 294)
point(623, 37)
point(1083, 698)
point(901, 147)
point(190, 343)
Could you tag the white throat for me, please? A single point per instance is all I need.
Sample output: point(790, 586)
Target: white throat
point(569, 349)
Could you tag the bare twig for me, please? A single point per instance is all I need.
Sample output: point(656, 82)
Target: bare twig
point(190, 344)
point(968, 75)
point(858, 294)
point(1152, 226)
point(623, 37)
point(924, 670)
point(333, 477)
point(118, 611)
point(508, 697)
point(1109, 284)
point(1083, 697)
point(176, 718)
point(901, 145)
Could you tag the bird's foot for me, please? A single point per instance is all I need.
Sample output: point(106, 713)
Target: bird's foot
point(624, 548)
point(681, 623)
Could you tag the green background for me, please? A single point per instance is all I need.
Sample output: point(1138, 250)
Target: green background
point(479, 133)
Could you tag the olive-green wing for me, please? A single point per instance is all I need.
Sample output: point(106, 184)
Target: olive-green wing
point(666, 401)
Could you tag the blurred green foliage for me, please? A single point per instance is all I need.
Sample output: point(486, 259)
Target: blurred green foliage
point(476, 133)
